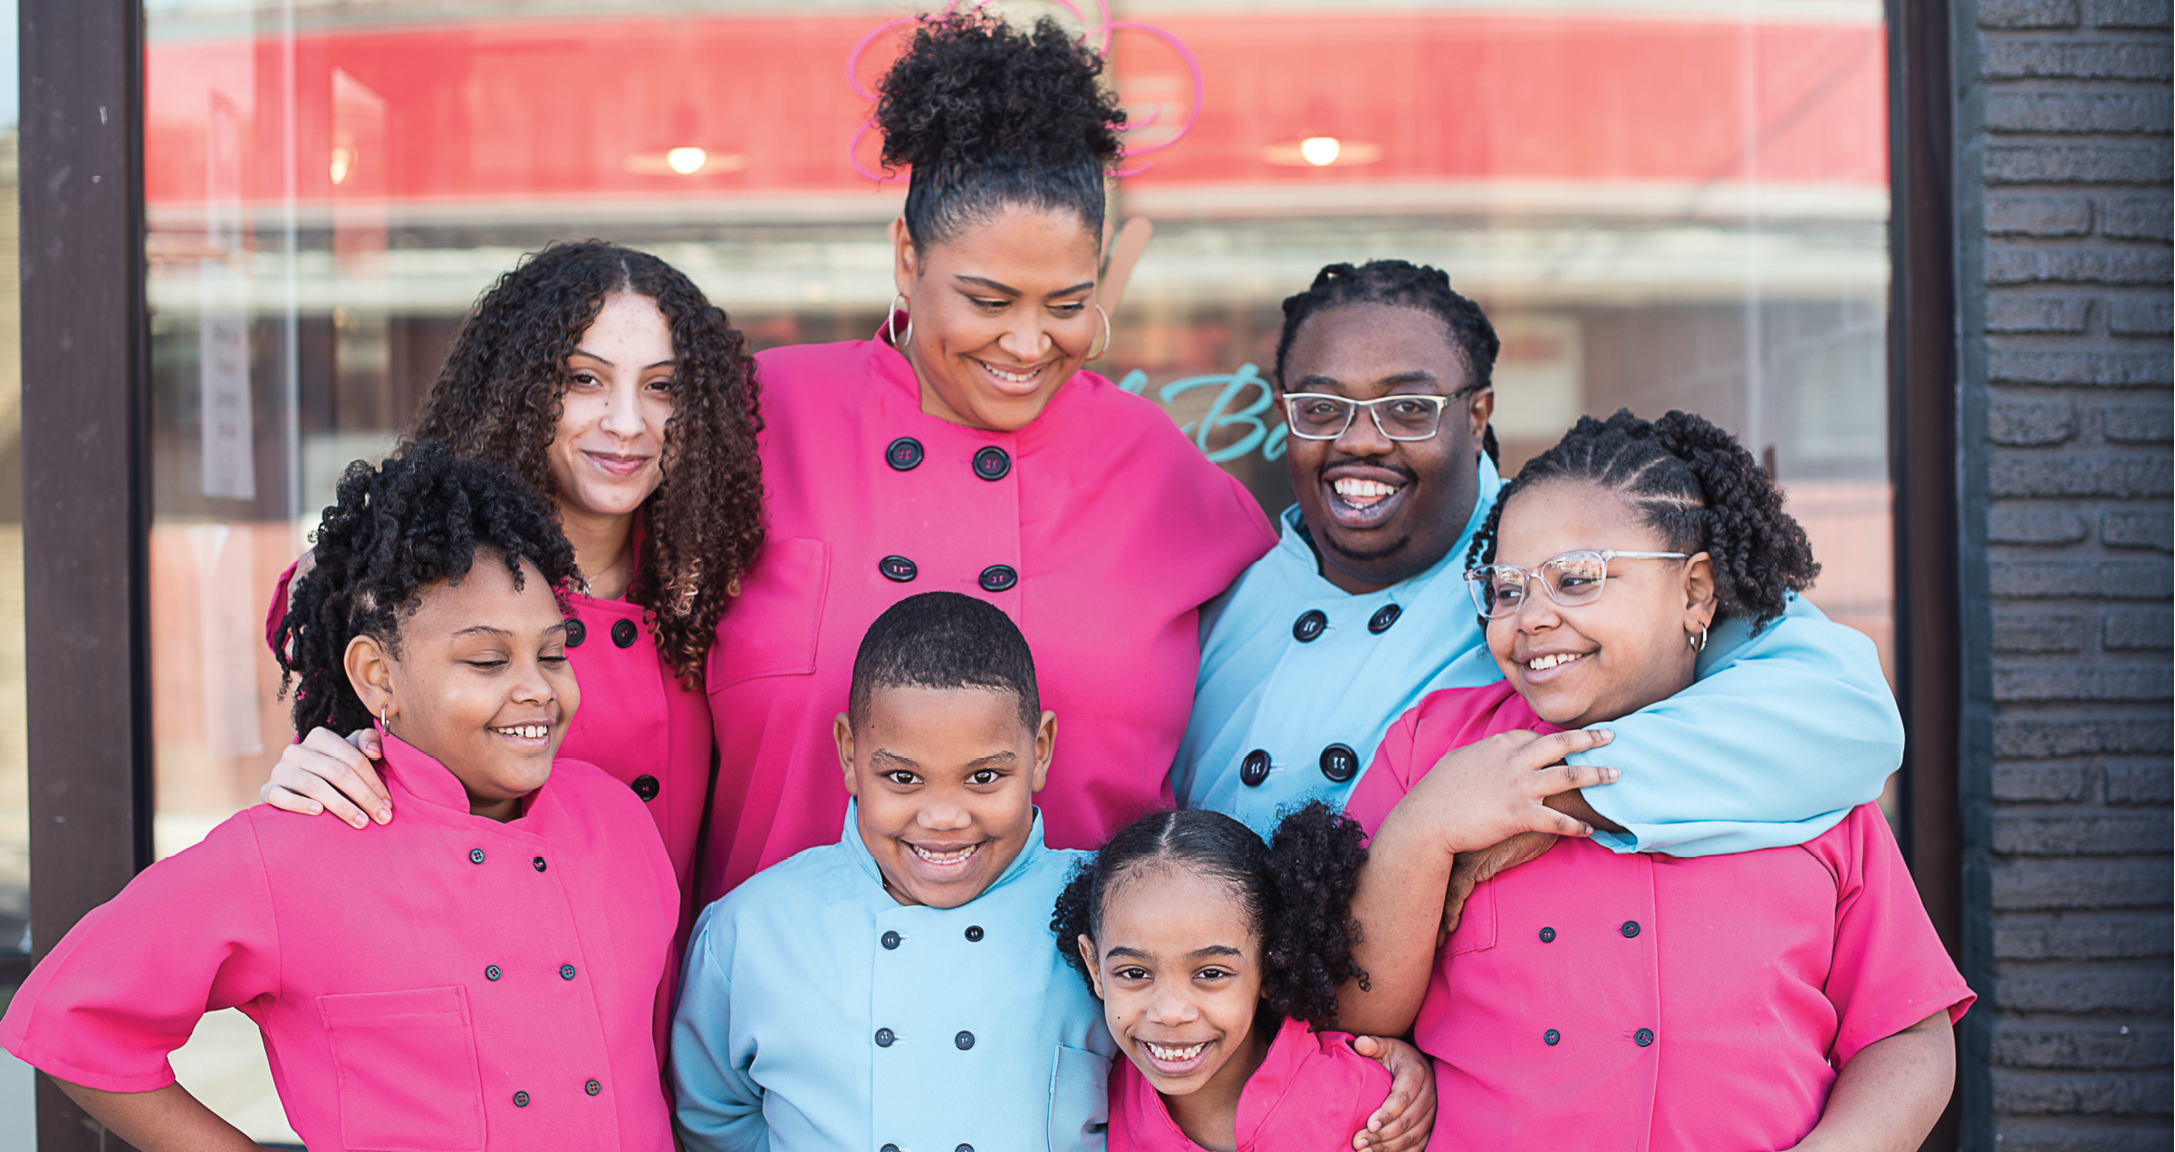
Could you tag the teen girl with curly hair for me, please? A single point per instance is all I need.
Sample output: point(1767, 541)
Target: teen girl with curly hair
point(1785, 998)
point(604, 378)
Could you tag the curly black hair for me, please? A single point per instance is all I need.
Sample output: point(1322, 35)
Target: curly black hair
point(989, 116)
point(1296, 890)
point(944, 640)
point(501, 392)
point(1406, 285)
point(421, 516)
point(1694, 484)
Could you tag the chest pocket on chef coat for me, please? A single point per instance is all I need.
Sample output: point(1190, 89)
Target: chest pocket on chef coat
point(770, 628)
point(1476, 925)
point(1079, 1100)
point(408, 1079)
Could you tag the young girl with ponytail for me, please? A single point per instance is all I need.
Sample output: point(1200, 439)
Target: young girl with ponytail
point(1789, 997)
point(1217, 957)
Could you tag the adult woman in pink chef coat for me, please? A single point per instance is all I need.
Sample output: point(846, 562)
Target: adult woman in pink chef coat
point(963, 448)
point(602, 376)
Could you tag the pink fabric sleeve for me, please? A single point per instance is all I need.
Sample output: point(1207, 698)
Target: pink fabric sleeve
point(191, 934)
point(1389, 777)
point(1890, 970)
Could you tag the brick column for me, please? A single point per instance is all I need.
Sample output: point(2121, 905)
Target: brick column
point(2062, 134)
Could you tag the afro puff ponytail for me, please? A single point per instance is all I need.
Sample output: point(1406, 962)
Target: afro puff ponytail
point(989, 117)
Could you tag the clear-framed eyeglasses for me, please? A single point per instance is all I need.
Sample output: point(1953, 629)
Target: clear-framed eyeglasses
point(1571, 579)
point(1407, 416)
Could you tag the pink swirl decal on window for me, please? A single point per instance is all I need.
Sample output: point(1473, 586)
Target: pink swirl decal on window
point(1103, 29)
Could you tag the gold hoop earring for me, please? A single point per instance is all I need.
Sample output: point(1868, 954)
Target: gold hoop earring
point(1108, 335)
point(891, 322)
point(1699, 642)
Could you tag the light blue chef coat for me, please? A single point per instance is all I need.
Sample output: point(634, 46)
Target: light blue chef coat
point(1780, 737)
point(819, 1013)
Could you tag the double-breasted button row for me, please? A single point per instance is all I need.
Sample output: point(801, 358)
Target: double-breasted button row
point(906, 454)
point(592, 1087)
point(1313, 622)
point(624, 633)
point(1338, 762)
point(885, 1038)
point(995, 578)
point(1644, 1037)
point(891, 940)
point(1630, 929)
point(494, 972)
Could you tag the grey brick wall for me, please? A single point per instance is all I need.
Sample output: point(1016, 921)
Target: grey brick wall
point(2063, 217)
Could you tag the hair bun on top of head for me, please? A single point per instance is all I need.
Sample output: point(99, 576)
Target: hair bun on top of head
point(972, 87)
point(987, 114)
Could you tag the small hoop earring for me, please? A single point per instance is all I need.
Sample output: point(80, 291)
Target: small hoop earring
point(891, 322)
point(1699, 642)
point(382, 725)
point(1108, 335)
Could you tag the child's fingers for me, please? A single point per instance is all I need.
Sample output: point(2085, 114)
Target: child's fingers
point(1546, 750)
point(1560, 778)
point(296, 790)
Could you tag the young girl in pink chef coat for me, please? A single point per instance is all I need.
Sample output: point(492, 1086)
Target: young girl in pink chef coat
point(1215, 957)
point(481, 974)
point(1792, 997)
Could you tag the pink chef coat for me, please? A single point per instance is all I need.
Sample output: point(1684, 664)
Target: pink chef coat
point(1311, 1094)
point(473, 985)
point(1099, 528)
point(1604, 1001)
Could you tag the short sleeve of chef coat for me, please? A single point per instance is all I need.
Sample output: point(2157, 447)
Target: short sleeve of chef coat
point(1889, 970)
point(191, 934)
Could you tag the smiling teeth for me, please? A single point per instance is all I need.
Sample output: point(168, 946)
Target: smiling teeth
point(955, 856)
point(1176, 1055)
point(526, 731)
point(1356, 491)
point(1544, 663)
point(1014, 377)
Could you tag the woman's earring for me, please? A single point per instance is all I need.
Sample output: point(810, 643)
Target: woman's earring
point(381, 718)
point(1107, 334)
point(1699, 642)
point(891, 322)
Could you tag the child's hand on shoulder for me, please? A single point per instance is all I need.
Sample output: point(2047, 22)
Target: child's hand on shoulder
point(1487, 792)
point(1407, 1118)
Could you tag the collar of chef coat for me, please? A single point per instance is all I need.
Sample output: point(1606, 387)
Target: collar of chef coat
point(858, 849)
point(899, 399)
point(409, 769)
point(1301, 554)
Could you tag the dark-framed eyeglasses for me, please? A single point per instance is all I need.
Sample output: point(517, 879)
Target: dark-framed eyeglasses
point(1407, 416)
point(1571, 579)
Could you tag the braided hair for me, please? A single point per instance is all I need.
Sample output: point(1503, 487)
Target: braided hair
point(1296, 890)
point(989, 116)
point(421, 516)
point(1406, 285)
point(1698, 487)
point(503, 388)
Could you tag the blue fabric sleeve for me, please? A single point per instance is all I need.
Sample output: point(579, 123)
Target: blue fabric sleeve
point(1779, 738)
point(720, 1107)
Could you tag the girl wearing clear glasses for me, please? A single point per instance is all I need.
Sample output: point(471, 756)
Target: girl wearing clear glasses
point(1787, 997)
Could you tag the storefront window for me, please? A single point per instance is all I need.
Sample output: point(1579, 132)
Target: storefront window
point(1662, 204)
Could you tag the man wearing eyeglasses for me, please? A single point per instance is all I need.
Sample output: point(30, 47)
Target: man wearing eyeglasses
point(1362, 608)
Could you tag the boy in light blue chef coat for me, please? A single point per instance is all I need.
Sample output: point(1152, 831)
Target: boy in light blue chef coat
point(899, 989)
point(1361, 609)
